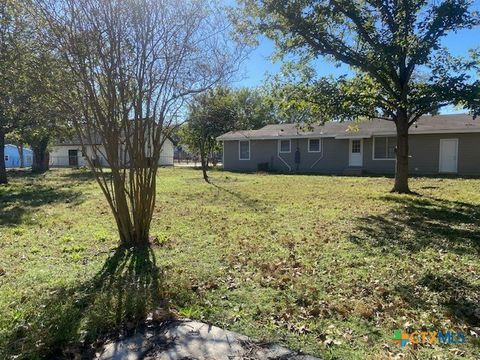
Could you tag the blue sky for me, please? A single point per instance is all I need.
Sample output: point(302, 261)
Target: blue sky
point(258, 65)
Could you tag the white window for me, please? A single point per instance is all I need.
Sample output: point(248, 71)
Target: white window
point(314, 145)
point(244, 150)
point(384, 148)
point(284, 146)
point(356, 146)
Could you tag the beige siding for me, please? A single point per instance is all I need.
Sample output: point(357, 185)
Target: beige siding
point(59, 155)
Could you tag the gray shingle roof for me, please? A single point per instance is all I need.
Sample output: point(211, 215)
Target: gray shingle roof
point(457, 123)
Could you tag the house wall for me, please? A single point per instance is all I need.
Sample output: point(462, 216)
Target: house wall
point(59, 155)
point(166, 154)
point(425, 155)
point(425, 150)
point(334, 156)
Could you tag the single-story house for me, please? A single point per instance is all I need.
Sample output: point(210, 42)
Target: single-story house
point(443, 144)
point(12, 156)
point(68, 153)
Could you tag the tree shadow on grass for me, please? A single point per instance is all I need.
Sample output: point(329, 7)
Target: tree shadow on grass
point(460, 298)
point(81, 175)
point(252, 203)
point(17, 202)
point(419, 223)
point(115, 301)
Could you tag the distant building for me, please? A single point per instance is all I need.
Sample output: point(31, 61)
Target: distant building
point(12, 157)
point(68, 153)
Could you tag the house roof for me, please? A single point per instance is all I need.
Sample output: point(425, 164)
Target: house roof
point(457, 123)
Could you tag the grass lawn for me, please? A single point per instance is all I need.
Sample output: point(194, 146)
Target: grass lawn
point(327, 265)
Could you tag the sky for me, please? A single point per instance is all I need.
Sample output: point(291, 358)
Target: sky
point(258, 65)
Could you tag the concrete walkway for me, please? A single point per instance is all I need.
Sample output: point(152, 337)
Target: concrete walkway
point(193, 340)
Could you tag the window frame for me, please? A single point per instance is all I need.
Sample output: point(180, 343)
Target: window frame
point(386, 149)
point(359, 146)
point(240, 152)
point(280, 146)
point(319, 145)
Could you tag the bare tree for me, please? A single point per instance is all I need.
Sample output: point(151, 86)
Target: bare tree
point(136, 63)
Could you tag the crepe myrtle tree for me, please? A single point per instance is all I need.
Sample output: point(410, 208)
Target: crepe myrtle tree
point(400, 71)
point(136, 65)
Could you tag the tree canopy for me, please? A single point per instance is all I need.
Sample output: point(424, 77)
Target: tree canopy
point(15, 46)
point(210, 115)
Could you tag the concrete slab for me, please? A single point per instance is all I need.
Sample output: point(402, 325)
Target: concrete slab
point(182, 340)
point(133, 348)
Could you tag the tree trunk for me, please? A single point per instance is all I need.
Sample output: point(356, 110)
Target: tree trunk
point(20, 152)
point(40, 156)
point(3, 170)
point(401, 170)
point(204, 160)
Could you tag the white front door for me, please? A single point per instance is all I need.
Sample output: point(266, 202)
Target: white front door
point(356, 152)
point(448, 155)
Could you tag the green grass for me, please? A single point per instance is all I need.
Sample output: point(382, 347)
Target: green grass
point(327, 265)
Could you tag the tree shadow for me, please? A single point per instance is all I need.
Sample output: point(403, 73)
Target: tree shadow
point(418, 223)
point(15, 203)
point(458, 296)
point(115, 301)
point(252, 203)
point(80, 175)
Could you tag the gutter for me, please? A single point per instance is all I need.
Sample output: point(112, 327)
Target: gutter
point(320, 158)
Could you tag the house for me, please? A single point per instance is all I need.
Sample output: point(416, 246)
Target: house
point(443, 144)
point(12, 156)
point(68, 153)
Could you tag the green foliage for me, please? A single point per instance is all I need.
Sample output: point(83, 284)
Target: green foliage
point(254, 108)
point(15, 46)
point(34, 86)
point(332, 278)
point(394, 49)
point(211, 115)
point(47, 115)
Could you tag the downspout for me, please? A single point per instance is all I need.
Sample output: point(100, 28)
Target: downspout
point(283, 160)
point(321, 156)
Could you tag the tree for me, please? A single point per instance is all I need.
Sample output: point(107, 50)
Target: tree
point(210, 115)
point(136, 63)
point(253, 108)
point(14, 48)
point(46, 117)
point(394, 48)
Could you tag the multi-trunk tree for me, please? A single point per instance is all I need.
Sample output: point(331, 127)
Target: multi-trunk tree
point(136, 63)
point(400, 71)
